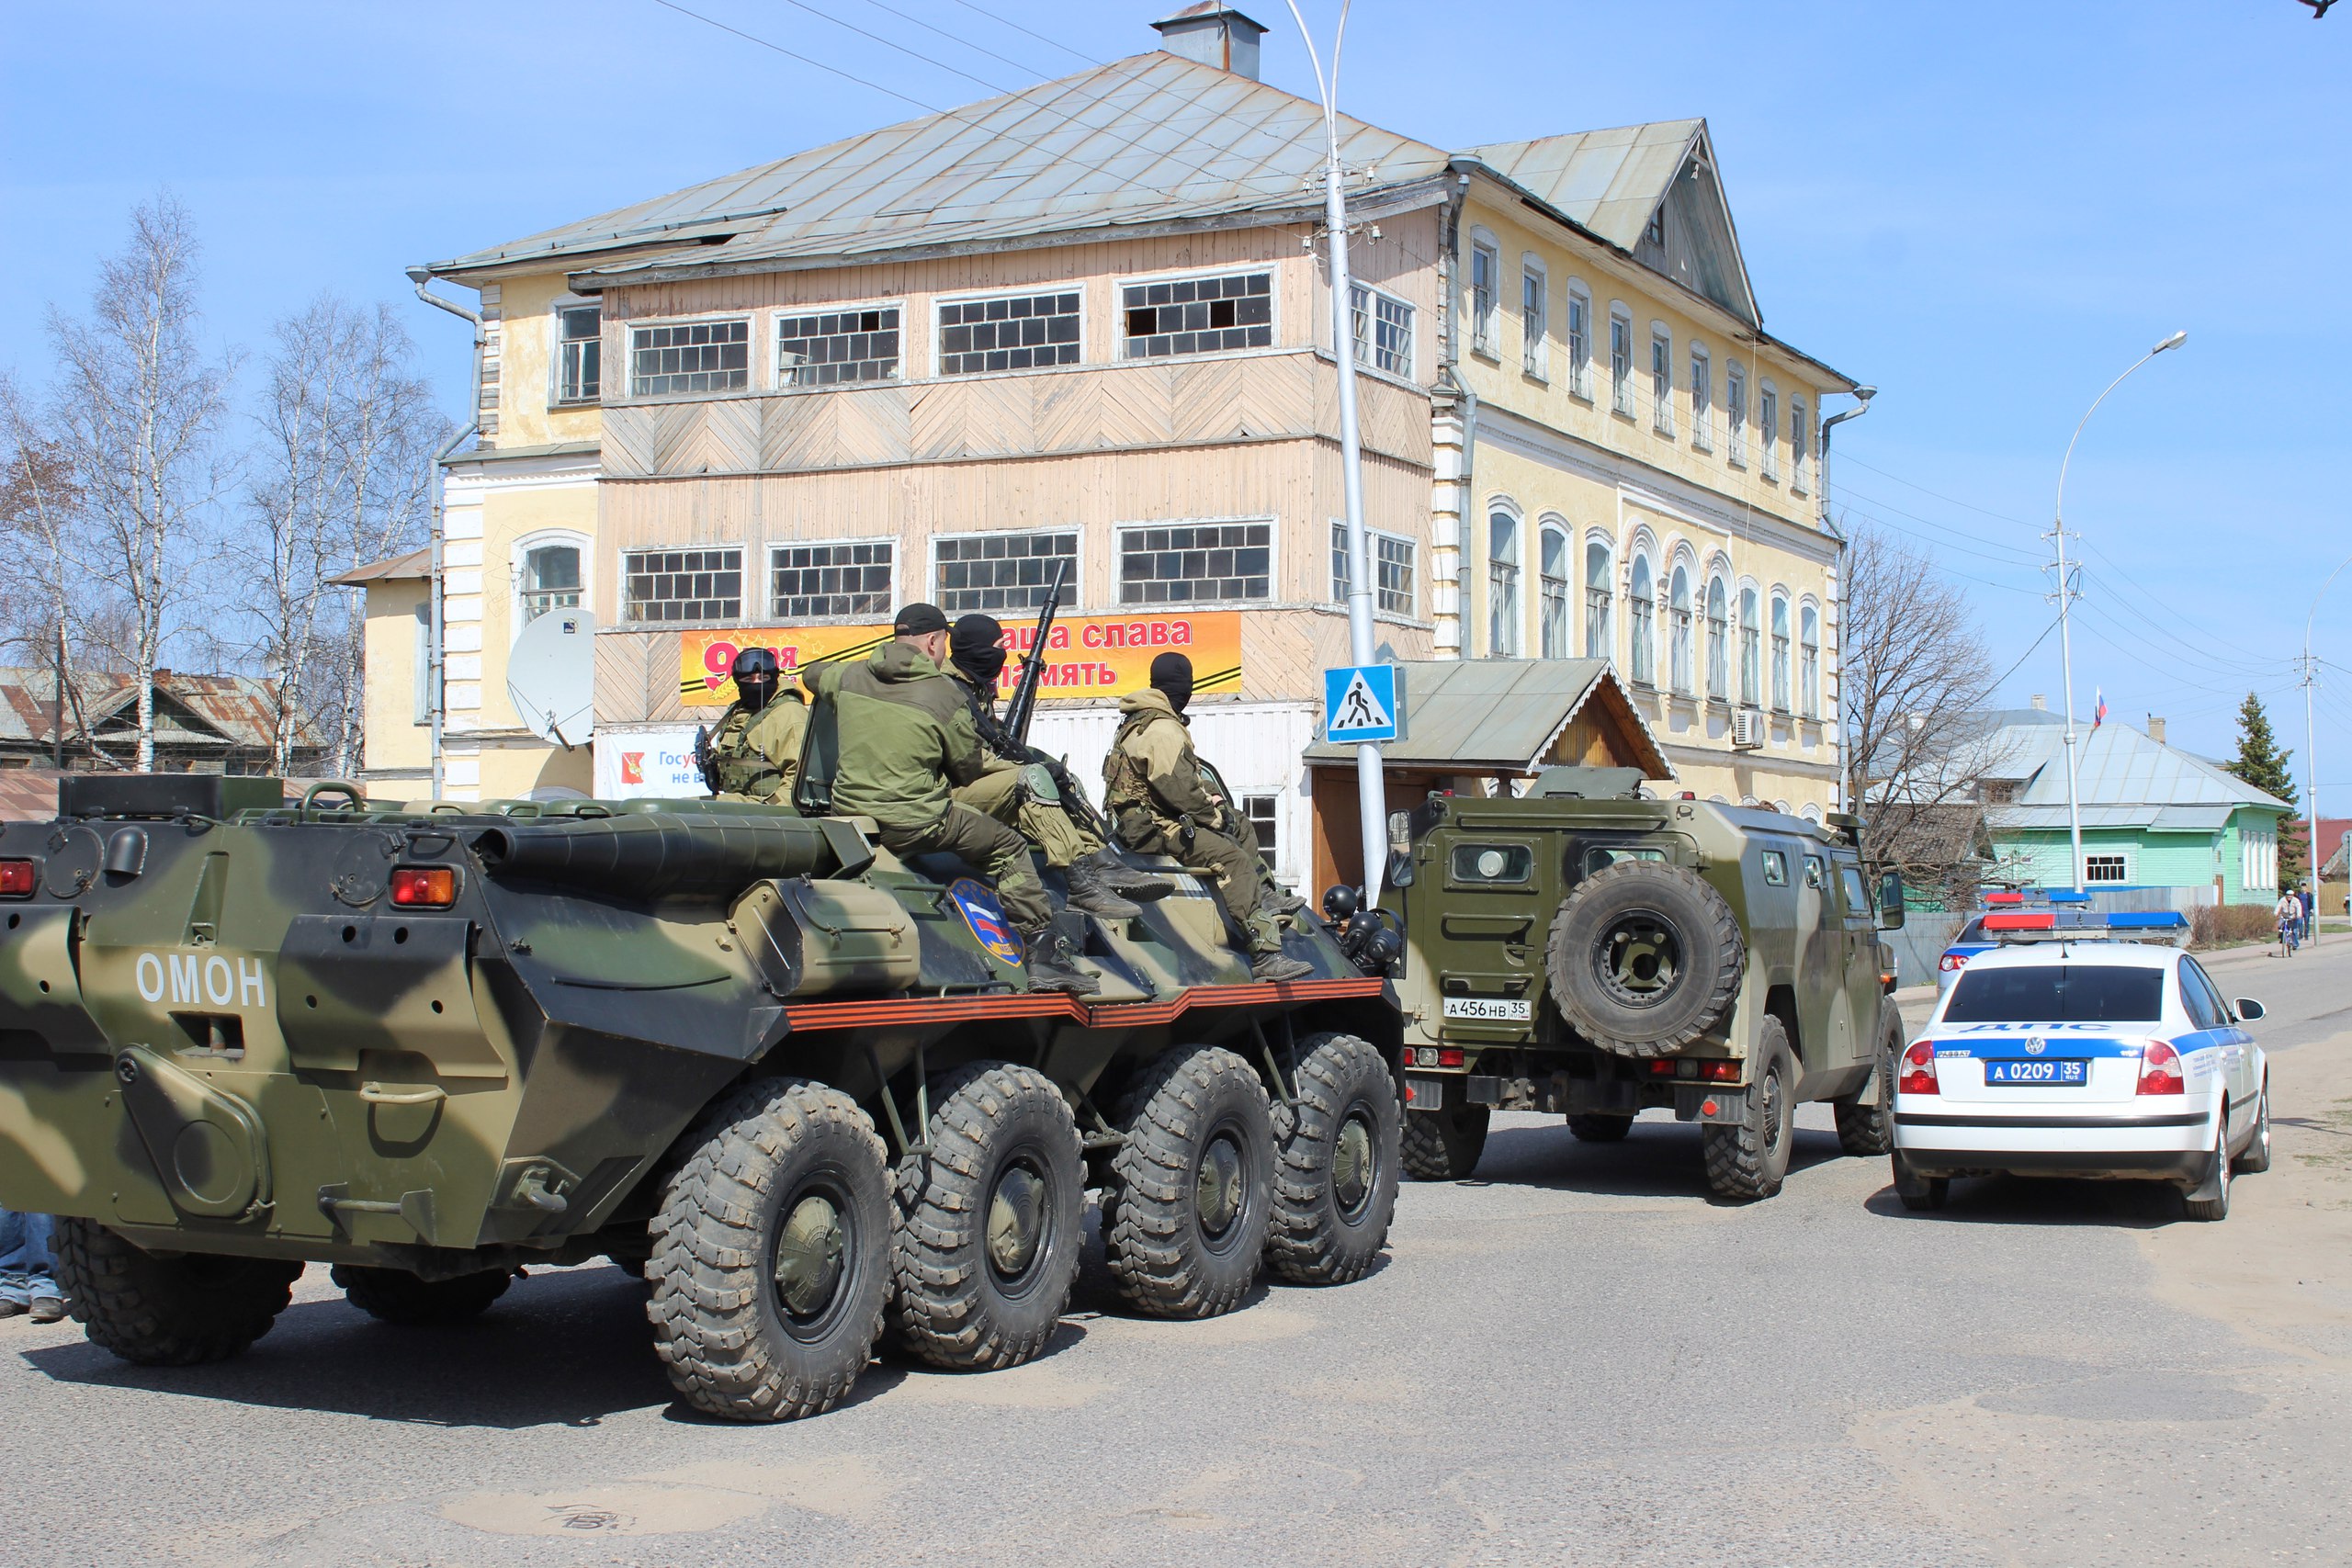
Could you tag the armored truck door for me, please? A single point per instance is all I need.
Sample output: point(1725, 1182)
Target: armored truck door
point(1823, 951)
point(1860, 1001)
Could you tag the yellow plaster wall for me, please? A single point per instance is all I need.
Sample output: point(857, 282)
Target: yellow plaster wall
point(508, 515)
point(525, 378)
point(394, 738)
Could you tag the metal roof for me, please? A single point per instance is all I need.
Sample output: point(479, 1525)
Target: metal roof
point(1488, 715)
point(220, 710)
point(1610, 181)
point(2122, 778)
point(399, 569)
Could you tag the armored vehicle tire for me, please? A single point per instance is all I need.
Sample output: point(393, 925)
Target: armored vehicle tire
point(1443, 1145)
point(1864, 1130)
point(1599, 1127)
point(1336, 1154)
point(772, 1253)
point(1191, 1194)
point(167, 1311)
point(1644, 958)
point(1749, 1158)
point(395, 1295)
point(990, 1222)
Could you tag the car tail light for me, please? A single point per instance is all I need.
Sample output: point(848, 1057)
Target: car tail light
point(15, 879)
point(1952, 963)
point(1450, 1057)
point(425, 887)
point(1918, 1069)
point(1690, 1068)
point(2160, 1070)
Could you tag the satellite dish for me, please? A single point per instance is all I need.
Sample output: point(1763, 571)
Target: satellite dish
point(551, 676)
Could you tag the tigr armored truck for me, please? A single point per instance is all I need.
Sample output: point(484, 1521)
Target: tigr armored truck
point(432, 1046)
point(1588, 952)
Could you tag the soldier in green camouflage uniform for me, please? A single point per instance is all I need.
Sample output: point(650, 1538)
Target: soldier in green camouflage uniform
point(755, 752)
point(1161, 801)
point(907, 741)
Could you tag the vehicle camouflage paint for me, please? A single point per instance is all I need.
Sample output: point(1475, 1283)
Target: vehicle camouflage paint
point(1586, 951)
point(432, 1045)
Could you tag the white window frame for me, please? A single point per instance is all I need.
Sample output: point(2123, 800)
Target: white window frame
point(621, 600)
point(1681, 631)
point(784, 313)
point(939, 336)
point(1703, 397)
point(1809, 658)
point(1800, 445)
point(2121, 859)
point(1556, 631)
point(1120, 284)
point(1600, 633)
point(1767, 418)
point(1621, 359)
point(753, 372)
point(518, 554)
point(898, 573)
point(1372, 539)
point(1718, 670)
point(1641, 621)
point(1119, 531)
point(558, 344)
point(1498, 622)
point(1075, 588)
point(1580, 341)
point(1736, 413)
point(1780, 632)
point(1535, 322)
point(1748, 605)
point(1368, 341)
point(1662, 379)
point(1484, 248)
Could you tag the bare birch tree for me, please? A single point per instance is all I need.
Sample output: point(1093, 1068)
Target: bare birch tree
point(135, 412)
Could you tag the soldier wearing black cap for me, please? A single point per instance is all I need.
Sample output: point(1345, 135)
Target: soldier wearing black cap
point(907, 742)
point(1018, 789)
point(755, 752)
point(1163, 801)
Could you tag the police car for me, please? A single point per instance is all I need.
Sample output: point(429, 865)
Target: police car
point(1984, 930)
point(2081, 1055)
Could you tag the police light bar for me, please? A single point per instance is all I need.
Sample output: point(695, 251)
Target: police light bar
point(2021, 923)
point(1991, 899)
point(2057, 896)
point(2131, 925)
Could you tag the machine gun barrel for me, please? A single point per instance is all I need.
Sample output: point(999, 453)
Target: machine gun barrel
point(1024, 705)
point(657, 853)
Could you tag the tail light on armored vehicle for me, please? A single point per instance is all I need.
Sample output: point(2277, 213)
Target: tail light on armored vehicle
point(1918, 1074)
point(15, 879)
point(425, 887)
point(1435, 1056)
point(2160, 1070)
point(1691, 1068)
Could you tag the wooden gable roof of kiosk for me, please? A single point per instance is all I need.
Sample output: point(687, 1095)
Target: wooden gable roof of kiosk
point(1481, 723)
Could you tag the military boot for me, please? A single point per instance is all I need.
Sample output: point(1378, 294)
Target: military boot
point(1053, 966)
point(1279, 967)
point(1127, 880)
point(1090, 894)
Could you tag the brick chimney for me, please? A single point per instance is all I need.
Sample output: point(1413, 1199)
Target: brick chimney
point(2156, 729)
point(1212, 34)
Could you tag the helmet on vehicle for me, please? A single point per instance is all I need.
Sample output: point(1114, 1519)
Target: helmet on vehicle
point(755, 672)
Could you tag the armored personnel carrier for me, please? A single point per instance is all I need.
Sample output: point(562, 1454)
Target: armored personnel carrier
point(800, 1084)
point(1588, 952)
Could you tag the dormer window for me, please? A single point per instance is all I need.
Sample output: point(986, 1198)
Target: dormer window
point(1656, 234)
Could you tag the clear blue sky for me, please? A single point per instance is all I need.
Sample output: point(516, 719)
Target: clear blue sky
point(1986, 211)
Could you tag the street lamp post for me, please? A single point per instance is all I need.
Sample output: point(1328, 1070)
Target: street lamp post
point(1371, 789)
point(2057, 535)
point(2311, 744)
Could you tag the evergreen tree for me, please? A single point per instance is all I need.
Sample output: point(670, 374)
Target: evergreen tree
point(2261, 763)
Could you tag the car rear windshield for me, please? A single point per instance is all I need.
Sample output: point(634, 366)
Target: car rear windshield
point(2058, 993)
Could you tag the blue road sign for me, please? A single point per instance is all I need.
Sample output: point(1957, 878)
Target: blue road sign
point(1364, 701)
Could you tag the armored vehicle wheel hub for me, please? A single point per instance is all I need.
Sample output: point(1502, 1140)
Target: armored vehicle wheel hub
point(1218, 1185)
point(1638, 959)
point(1353, 1165)
point(1767, 1097)
point(808, 1258)
point(1017, 1220)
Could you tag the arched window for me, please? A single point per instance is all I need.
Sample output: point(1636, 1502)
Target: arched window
point(1780, 652)
point(1642, 623)
point(1751, 650)
point(1502, 585)
point(1809, 662)
point(1598, 642)
point(1718, 640)
point(1554, 608)
point(1678, 629)
point(551, 581)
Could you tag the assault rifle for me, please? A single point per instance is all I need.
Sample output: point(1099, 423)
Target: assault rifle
point(706, 759)
point(1024, 705)
point(1009, 737)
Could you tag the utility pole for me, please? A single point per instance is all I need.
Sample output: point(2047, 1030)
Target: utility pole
point(2066, 593)
point(1371, 785)
point(2310, 742)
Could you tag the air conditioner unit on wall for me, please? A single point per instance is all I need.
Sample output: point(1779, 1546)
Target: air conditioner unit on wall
point(1747, 728)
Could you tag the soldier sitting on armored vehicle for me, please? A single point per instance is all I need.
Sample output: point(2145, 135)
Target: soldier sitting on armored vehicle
point(907, 741)
point(1019, 787)
point(754, 755)
point(1163, 801)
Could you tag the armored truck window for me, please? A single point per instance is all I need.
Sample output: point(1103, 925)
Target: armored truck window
point(1018, 334)
point(2058, 993)
point(1776, 869)
point(691, 356)
point(1858, 897)
point(1198, 315)
point(1493, 862)
point(1595, 860)
point(1815, 872)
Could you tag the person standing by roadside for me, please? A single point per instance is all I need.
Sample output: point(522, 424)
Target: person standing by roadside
point(28, 1279)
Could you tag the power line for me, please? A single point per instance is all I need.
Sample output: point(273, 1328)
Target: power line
point(1016, 27)
point(1844, 458)
point(966, 42)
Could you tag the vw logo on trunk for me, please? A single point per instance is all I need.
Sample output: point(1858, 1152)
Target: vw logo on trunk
point(2033, 1044)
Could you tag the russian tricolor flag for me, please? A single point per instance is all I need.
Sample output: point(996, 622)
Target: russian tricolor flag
point(2099, 714)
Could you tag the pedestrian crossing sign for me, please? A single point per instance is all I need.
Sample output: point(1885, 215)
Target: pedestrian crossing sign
point(1364, 701)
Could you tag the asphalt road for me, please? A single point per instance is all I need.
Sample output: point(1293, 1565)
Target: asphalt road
point(1574, 1358)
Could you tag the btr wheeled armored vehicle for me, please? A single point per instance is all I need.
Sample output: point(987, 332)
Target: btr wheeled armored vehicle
point(431, 1046)
point(1587, 951)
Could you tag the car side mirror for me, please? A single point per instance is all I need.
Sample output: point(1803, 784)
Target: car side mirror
point(1399, 872)
point(1890, 901)
point(2248, 1008)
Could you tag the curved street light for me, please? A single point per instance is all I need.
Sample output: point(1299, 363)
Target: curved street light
point(2310, 743)
point(2066, 594)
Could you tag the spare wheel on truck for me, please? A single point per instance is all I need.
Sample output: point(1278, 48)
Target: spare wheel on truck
point(1644, 958)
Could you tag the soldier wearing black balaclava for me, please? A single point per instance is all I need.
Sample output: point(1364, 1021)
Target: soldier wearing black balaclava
point(755, 752)
point(1161, 801)
point(1020, 791)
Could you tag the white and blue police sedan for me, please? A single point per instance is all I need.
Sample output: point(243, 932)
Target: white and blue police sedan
point(2074, 1057)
